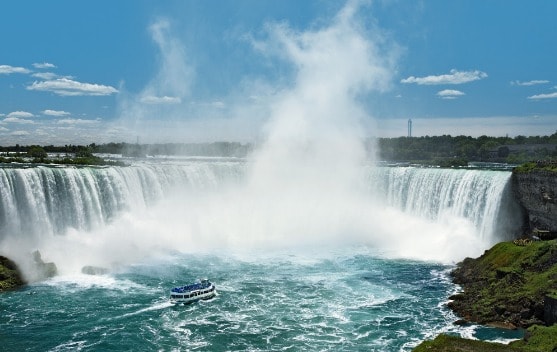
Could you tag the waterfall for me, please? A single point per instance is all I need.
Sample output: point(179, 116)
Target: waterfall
point(214, 204)
point(481, 196)
point(43, 201)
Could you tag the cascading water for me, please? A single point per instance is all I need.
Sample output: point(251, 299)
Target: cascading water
point(210, 204)
point(46, 201)
point(480, 196)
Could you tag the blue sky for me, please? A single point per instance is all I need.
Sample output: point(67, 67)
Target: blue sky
point(192, 71)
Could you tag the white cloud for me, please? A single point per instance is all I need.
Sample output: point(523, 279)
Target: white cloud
point(17, 120)
point(19, 133)
point(68, 87)
point(43, 65)
point(455, 77)
point(543, 96)
point(449, 94)
point(529, 83)
point(151, 99)
point(45, 75)
point(55, 113)
point(3, 129)
point(20, 114)
point(218, 104)
point(7, 69)
point(76, 122)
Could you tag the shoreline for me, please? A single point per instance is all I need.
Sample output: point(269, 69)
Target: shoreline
point(512, 286)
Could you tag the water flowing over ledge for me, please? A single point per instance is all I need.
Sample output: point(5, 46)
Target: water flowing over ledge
point(41, 202)
point(48, 200)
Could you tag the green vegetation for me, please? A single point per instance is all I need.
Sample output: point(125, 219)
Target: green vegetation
point(507, 284)
point(531, 166)
point(82, 155)
point(449, 343)
point(537, 339)
point(446, 148)
point(10, 278)
point(444, 151)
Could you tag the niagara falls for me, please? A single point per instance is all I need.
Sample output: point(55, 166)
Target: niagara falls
point(329, 167)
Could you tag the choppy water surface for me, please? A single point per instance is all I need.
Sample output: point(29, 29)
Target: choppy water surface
point(287, 302)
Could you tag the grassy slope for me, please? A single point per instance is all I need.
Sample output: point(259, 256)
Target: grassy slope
point(540, 339)
point(505, 277)
point(506, 281)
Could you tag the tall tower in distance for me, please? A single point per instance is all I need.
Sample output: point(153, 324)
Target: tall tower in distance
point(409, 127)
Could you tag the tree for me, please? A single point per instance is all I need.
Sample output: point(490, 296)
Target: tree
point(503, 152)
point(36, 152)
point(84, 152)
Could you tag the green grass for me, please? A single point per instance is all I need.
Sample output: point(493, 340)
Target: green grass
point(531, 166)
point(448, 343)
point(539, 339)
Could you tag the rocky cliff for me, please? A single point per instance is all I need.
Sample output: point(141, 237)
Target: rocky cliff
point(536, 191)
point(508, 285)
point(10, 276)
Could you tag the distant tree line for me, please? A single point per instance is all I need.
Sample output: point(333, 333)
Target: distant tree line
point(442, 150)
point(72, 155)
point(458, 150)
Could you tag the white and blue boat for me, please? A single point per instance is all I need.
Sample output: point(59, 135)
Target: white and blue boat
point(203, 289)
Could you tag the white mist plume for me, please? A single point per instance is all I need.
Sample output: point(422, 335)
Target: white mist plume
point(314, 131)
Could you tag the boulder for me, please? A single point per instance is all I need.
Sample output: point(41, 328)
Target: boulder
point(10, 276)
point(94, 270)
point(43, 270)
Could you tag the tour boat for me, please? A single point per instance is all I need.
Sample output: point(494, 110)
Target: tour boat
point(193, 292)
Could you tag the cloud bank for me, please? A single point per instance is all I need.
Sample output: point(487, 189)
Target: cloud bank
point(55, 112)
point(450, 94)
point(529, 83)
point(20, 114)
point(7, 69)
point(454, 77)
point(543, 96)
point(68, 87)
point(43, 65)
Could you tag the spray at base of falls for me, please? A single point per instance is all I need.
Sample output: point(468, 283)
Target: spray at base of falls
point(112, 216)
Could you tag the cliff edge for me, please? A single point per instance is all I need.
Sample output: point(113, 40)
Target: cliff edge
point(513, 284)
point(508, 285)
point(535, 188)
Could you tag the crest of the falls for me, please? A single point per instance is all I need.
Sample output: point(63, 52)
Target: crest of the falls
point(104, 215)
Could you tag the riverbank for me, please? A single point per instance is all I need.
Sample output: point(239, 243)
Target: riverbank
point(10, 276)
point(512, 285)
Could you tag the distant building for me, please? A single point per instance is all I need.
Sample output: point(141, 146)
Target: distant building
point(409, 127)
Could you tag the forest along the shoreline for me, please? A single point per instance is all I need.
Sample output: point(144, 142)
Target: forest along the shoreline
point(444, 151)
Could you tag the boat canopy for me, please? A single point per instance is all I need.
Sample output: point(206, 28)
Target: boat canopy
point(192, 287)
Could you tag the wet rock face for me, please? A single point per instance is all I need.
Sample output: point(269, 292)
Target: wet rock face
point(10, 277)
point(508, 285)
point(536, 191)
point(550, 310)
point(43, 270)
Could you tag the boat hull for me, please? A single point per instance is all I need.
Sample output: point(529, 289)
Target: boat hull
point(186, 295)
point(192, 299)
